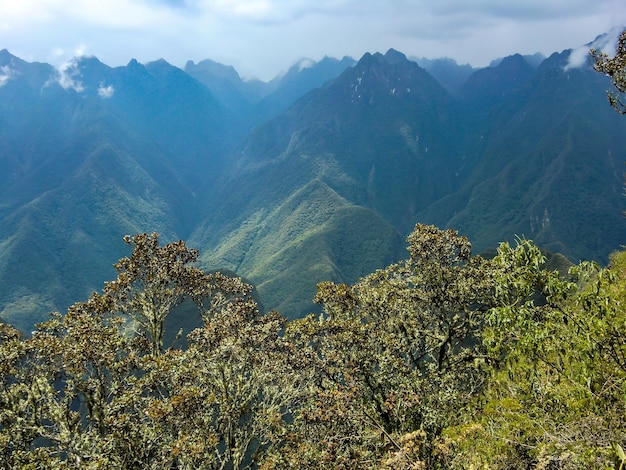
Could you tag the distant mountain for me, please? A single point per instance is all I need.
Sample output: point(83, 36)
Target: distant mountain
point(230, 90)
point(534, 60)
point(301, 78)
point(225, 82)
point(257, 101)
point(316, 175)
point(384, 119)
point(376, 142)
point(451, 75)
point(493, 86)
point(87, 155)
point(551, 156)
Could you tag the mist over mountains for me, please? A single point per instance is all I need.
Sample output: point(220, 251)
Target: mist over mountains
point(316, 175)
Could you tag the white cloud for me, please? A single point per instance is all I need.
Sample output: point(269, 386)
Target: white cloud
point(242, 7)
point(305, 64)
point(605, 43)
point(263, 37)
point(68, 76)
point(105, 92)
point(6, 74)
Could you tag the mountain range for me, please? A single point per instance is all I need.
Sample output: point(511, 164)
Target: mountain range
point(317, 175)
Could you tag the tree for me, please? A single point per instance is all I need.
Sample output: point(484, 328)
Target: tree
point(69, 394)
point(399, 355)
point(557, 374)
point(231, 394)
point(615, 69)
point(155, 279)
point(444, 360)
point(87, 391)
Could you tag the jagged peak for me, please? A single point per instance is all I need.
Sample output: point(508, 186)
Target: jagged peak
point(89, 63)
point(7, 58)
point(214, 68)
point(515, 61)
point(160, 64)
point(394, 57)
point(391, 57)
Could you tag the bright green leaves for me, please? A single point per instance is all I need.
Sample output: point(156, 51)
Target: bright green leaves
point(556, 391)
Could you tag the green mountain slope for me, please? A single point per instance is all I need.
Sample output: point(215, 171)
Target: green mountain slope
point(551, 171)
point(326, 190)
point(60, 246)
point(80, 171)
point(312, 235)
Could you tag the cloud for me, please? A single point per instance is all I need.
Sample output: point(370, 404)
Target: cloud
point(520, 11)
point(606, 43)
point(173, 3)
point(6, 74)
point(105, 92)
point(265, 37)
point(66, 78)
point(68, 74)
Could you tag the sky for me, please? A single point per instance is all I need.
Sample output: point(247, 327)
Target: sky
point(263, 38)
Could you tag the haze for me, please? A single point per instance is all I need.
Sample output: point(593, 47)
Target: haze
point(262, 38)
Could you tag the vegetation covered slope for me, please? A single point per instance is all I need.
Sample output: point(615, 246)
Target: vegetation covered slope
point(443, 360)
point(538, 168)
point(91, 153)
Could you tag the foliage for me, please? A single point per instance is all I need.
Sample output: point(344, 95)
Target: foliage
point(615, 68)
point(444, 360)
point(155, 279)
point(87, 392)
point(398, 354)
point(556, 391)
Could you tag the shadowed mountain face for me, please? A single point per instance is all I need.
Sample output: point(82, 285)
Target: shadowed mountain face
point(327, 189)
point(551, 166)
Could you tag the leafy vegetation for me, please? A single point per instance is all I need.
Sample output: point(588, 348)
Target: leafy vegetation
point(444, 360)
point(615, 68)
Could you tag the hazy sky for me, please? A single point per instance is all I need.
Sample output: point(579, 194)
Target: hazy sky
point(264, 37)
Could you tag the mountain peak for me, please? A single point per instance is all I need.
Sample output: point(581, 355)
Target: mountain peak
point(6, 58)
point(515, 60)
point(134, 64)
point(394, 57)
point(213, 68)
point(534, 60)
point(160, 65)
point(506, 78)
point(90, 64)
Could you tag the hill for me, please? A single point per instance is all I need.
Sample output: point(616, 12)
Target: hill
point(317, 175)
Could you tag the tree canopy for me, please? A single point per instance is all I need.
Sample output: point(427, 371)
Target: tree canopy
point(443, 360)
point(615, 69)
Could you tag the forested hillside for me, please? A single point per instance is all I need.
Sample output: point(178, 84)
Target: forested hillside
point(317, 175)
point(322, 320)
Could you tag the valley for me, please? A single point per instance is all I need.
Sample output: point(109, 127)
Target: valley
point(318, 175)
